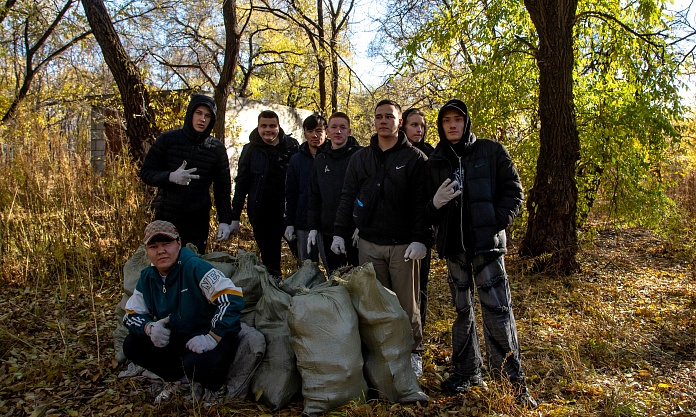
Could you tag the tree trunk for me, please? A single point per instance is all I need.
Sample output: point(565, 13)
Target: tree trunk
point(226, 83)
point(334, 77)
point(552, 202)
point(321, 56)
point(140, 122)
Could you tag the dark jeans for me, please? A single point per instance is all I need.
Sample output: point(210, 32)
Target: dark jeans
point(268, 233)
point(193, 228)
point(487, 274)
point(336, 261)
point(424, 272)
point(174, 361)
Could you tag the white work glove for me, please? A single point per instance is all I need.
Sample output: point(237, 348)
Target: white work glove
point(356, 238)
point(158, 332)
point(201, 343)
point(224, 231)
point(289, 233)
point(338, 246)
point(446, 192)
point(234, 226)
point(311, 240)
point(415, 251)
point(183, 176)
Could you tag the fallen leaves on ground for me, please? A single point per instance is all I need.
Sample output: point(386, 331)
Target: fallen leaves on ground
point(617, 339)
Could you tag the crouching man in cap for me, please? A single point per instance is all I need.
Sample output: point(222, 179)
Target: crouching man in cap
point(183, 317)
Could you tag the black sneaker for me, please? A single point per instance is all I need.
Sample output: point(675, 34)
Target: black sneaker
point(457, 384)
point(524, 398)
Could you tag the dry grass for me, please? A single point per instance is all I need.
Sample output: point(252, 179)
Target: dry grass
point(618, 339)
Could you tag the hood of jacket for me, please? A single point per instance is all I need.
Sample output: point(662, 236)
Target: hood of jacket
point(404, 117)
point(401, 142)
point(350, 143)
point(304, 149)
point(255, 139)
point(467, 138)
point(189, 131)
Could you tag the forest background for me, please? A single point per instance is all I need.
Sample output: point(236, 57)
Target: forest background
point(588, 97)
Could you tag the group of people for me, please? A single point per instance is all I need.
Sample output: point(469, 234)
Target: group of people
point(386, 203)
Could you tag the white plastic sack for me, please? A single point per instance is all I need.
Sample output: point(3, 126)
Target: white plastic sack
point(276, 380)
point(325, 338)
point(386, 334)
point(131, 275)
point(308, 276)
point(223, 262)
point(252, 347)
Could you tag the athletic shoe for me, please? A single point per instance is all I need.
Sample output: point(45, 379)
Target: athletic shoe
point(457, 384)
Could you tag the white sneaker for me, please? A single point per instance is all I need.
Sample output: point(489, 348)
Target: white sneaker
point(417, 364)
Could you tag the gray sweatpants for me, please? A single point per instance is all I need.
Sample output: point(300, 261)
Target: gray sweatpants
point(499, 328)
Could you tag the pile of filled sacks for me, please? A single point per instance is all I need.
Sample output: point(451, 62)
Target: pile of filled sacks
point(332, 341)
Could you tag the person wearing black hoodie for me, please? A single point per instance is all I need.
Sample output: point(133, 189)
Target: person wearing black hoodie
point(414, 128)
point(183, 164)
point(476, 193)
point(325, 186)
point(260, 182)
point(384, 196)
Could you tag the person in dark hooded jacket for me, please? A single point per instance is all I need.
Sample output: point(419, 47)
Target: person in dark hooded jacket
point(183, 164)
point(260, 182)
point(476, 193)
point(414, 128)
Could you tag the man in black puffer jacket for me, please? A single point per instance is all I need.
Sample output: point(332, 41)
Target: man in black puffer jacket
point(325, 186)
point(384, 196)
point(260, 182)
point(476, 194)
point(182, 164)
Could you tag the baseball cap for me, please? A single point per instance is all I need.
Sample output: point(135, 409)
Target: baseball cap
point(160, 227)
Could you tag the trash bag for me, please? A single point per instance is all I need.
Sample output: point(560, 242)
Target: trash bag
point(248, 277)
point(325, 338)
point(277, 379)
point(132, 269)
point(222, 261)
point(308, 276)
point(386, 334)
point(131, 275)
point(252, 347)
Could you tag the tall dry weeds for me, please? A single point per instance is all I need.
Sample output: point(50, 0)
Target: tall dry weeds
point(62, 222)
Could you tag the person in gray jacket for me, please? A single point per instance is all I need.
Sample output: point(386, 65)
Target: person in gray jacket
point(476, 193)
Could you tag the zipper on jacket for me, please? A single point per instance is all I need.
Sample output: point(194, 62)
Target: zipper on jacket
point(164, 289)
point(461, 200)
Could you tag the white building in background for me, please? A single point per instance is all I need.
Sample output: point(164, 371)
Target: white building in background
point(108, 128)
